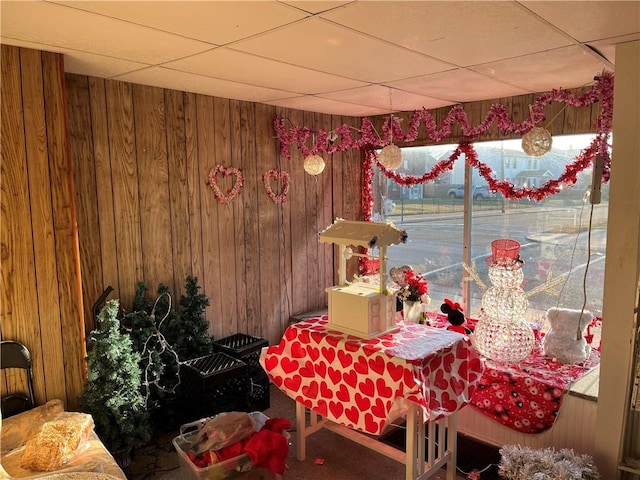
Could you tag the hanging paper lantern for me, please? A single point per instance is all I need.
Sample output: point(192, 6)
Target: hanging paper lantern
point(391, 157)
point(536, 142)
point(314, 165)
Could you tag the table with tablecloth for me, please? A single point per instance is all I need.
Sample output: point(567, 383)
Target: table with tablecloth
point(422, 373)
point(527, 396)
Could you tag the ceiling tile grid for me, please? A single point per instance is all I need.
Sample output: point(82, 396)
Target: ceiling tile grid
point(339, 57)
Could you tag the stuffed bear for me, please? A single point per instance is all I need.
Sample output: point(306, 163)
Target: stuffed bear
point(561, 343)
point(455, 316)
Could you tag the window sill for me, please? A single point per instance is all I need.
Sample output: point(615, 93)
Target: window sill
point(587, 386)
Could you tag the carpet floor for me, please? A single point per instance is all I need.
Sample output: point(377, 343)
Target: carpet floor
point(328, 455)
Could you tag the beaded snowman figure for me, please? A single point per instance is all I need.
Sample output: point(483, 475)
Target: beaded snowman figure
point(502, 334)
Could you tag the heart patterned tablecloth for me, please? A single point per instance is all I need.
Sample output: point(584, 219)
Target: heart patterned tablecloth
point(364, 384)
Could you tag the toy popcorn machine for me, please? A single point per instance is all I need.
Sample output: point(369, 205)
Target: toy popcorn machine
point(361, 309)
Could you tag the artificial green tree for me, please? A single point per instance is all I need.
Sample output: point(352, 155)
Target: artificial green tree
point(189, 332)
point(112, 392)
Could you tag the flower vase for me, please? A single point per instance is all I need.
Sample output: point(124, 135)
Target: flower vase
point(411, 311)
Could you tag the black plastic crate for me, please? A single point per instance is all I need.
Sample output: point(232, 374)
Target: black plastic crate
point(213, 384)
point(244, 347)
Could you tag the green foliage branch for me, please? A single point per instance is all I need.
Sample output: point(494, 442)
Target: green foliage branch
point(112, 392)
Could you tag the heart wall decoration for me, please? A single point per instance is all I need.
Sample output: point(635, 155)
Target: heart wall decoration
point(275, 175)
point(225, 172)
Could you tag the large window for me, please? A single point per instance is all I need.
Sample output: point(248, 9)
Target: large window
point(562, 238)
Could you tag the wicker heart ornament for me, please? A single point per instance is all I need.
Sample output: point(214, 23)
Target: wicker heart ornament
point(277, 176)
point(225, 172)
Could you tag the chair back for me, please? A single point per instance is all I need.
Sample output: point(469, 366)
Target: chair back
point(16, 355)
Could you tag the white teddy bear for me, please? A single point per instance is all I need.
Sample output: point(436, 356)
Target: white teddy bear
point(562, 343)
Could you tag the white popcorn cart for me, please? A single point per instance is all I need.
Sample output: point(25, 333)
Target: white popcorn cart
point(365, 310)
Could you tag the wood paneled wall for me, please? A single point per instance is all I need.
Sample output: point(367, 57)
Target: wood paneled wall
point(138, 159)
point(40, 291)
point(108, 187)
point(141, 158)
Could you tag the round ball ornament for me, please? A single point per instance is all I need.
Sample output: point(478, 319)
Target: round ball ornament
point(536, 142)
point(314, 165)
point(391, 157)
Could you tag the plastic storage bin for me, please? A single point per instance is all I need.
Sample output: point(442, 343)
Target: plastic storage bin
point(247, 348)
point(244, 347)
point(239, 467)
point(213, 384)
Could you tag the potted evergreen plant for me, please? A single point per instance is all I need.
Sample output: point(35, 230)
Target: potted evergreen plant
point(112, 392)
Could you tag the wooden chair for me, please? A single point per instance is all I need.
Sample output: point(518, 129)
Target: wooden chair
point(16, 355)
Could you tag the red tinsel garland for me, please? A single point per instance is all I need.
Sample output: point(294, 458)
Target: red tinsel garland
point(369, 140)
point(365, 263)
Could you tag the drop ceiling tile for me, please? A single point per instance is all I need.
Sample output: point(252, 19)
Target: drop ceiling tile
point(215, 22)
point(323, 46)
point(607, 47)
point(60, 26)
point(587, 21)
point(228, 64)
point(460, 85)
point(461, 32)
point(320, 37)
point(568, 67)
point(315, 6)
point(322, 105)
point(378, 96)
point(171, 79)
point(33, 45)
point(81, 62)
point(98, 65)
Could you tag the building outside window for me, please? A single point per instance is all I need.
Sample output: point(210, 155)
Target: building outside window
point(562, 238)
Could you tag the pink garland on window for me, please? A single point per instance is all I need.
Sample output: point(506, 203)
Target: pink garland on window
point(368, 140)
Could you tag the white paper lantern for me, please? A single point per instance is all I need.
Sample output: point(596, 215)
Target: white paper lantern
point(536, 142)
point(391, 157)
point(314, 165)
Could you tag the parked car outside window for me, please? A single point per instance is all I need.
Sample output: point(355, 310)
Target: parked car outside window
point(480, 192)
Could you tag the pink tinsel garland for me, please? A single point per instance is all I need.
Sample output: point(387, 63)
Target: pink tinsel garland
point(368, 139)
